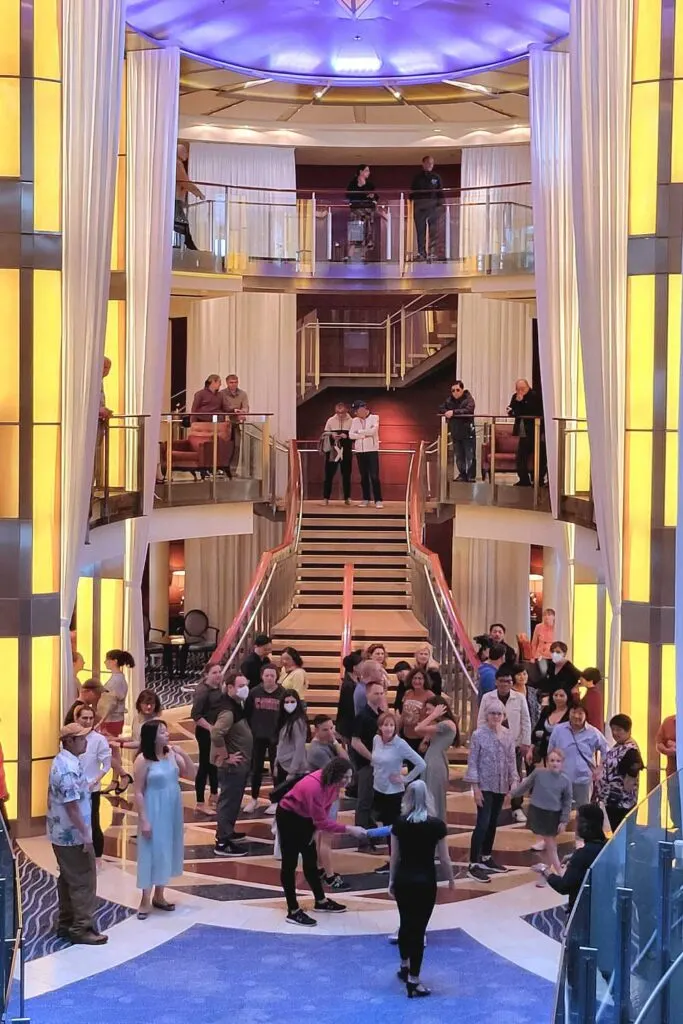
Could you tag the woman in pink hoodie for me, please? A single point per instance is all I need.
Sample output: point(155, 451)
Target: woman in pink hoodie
point(302, 812)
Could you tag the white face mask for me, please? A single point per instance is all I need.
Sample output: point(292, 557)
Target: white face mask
point(242, 692)
point(557, 657)
point(290, 708)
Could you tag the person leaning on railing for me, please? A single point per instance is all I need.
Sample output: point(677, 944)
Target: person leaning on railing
point(458, 409)
point(183, 186)
point(525, 405)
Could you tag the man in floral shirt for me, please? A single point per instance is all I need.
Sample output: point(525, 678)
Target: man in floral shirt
point(68, 829)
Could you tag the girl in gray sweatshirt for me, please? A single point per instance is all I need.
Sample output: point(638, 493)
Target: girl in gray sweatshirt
point(293, 735)
point(549, 806)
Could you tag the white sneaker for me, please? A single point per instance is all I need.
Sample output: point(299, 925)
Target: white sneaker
point(393, 938)
point(519, 816)
point(271, 809)
point(538, 847)
point(250, 806)
point(378, 504)
point(363, 504)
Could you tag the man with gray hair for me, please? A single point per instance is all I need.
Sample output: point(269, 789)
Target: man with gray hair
point(492, 770)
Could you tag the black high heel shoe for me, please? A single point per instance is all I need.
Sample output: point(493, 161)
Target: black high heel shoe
point(417, 989)
point(402, 974)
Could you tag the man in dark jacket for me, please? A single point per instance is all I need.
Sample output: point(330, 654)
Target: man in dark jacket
point(254, 662)
point(427, 196)
point(589, 828)
point(524, 405)
point(459, 411)
point(207, 402)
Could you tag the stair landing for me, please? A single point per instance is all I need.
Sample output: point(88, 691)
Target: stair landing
point(369, 624)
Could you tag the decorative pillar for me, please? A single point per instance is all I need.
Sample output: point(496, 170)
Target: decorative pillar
point(159, 580)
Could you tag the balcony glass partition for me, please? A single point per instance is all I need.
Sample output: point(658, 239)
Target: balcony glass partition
point(622, 957)
point(285, 232)
point(217, 459)
point(575, 490)
point(118, 480)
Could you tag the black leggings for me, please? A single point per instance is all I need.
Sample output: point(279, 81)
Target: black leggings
point(415, 902)
point(387, 809)
point(205, 769)
point(297, 836)
point(97, 835)
point(344, 466)
point(258, 760)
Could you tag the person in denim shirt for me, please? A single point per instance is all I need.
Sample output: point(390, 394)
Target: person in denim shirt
point(69, 831)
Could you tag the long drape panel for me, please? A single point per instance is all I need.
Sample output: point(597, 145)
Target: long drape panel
point(491, 584)
point(253, 335)
point(92, 53)
point(556, 294)
point(494, 338)
point(678, 599)
point(219, 570)
point(256, 215)
point(494, 349)
point(600, 58)
point(152, 135)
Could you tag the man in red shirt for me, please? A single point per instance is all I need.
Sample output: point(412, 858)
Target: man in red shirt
point(666, 743)
point(592, 702)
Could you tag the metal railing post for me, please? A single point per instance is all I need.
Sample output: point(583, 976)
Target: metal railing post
point(561, 464)
point(316, 355)
point(447, 234)
point(328, 230)
point(387, 352)
point(663, 941)
point(265, 458)
point(402, 234)
point(403, 342)
point(214, 458)
point(141, 462)
point(388, 235)
point(105, 452)
point(537, 458)
point(443, 461)
point(302, 360)
point(169, 458)
point(622, 972)
point(492, 470)
point(313, 232)
point(588, 971)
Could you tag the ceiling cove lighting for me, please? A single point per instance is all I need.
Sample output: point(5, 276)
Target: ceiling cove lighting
point(361, 65)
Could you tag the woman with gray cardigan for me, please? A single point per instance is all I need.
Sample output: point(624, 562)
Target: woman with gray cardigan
point(293, 734)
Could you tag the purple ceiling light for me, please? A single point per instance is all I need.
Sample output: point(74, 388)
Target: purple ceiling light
point(353, 42)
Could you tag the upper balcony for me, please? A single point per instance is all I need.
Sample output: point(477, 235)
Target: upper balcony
point(316, 240)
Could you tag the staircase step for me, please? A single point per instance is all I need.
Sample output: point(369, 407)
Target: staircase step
point(359, 587)
point(379, 560)
point(360, 601)
point(364, 537)
point(336, 572)
point(353, 522)
point(350, 547)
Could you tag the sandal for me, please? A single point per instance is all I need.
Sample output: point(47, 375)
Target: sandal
point(163, 905)
point(142, 915)
point(127, 780)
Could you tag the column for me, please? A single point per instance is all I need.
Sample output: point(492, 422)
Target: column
point(30, 400)
point(158, 585)
point(653, 341)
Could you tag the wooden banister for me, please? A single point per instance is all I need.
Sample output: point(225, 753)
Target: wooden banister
point(347, 615)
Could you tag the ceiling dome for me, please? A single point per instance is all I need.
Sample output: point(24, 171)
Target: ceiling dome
point(352, 41)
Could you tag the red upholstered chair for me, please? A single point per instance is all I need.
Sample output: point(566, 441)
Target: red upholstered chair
point(195, 452)
point(506, 452)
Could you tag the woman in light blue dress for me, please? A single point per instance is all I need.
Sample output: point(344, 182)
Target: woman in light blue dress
point(160, 814)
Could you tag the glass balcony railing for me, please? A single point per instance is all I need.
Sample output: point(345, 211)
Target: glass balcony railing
point(118, 479)
point(575, 497)
point(280, 232)
point(622, 956)
point(205, 459)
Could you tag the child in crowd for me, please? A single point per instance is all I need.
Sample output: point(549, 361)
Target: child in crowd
point(550, 806)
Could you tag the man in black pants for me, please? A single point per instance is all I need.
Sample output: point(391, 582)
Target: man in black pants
point(337, 448)
point(207, 704)
point(364, 433)
point(262, 709)
point(364, 732)
point(427, 196)
point(525, 405)
point(231, 748)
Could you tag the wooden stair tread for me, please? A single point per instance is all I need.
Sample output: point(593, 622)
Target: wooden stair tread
point(343, 522)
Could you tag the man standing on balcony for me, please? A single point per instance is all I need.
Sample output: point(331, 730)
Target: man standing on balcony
point(336, 446)
point(459, 411)
point(364, 433)
point(428, 199)
point(235, 402)
point(525, 405)
point(207, 402)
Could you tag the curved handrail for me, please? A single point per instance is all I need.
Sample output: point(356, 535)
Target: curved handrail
point(458, 189)
point(347, 614)
point(269, 559)
point(415, 544)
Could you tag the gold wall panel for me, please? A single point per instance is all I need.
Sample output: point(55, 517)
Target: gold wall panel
point(45, 696)
point(47, 346)
point(46, 509)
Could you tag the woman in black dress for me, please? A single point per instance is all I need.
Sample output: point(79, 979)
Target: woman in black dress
point(412, 878)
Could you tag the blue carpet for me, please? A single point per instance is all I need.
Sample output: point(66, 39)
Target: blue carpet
point(551, 922)
point(211, 975)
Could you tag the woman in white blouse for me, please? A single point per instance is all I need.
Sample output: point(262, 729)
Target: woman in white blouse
point(365, 436)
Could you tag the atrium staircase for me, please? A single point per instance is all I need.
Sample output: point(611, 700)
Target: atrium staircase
point(374, 541)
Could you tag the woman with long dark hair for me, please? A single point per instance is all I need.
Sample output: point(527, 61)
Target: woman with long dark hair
point(293, 735)
point(292, 672)
point(416, 695)
point(156, 772)
point(418, 835)
point(301, 812)
point(112, 711)
point(554, 713)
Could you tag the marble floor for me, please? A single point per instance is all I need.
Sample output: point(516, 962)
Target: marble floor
point(511, 922)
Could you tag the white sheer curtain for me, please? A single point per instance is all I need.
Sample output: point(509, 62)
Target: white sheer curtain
point(494, 337)
point(152, 134)
point(252, 334)
point(491, 584)
point(259, 219)
point(494, 349)
point(219, 570)
point(600, 106)
point(92, 51)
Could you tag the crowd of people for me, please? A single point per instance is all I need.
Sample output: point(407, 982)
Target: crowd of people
point(539, 737)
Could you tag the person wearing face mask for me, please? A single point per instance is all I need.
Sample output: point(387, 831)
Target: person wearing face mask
point(231, 752)
point(293, 734)
point(262, 709)
point(561, 672)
